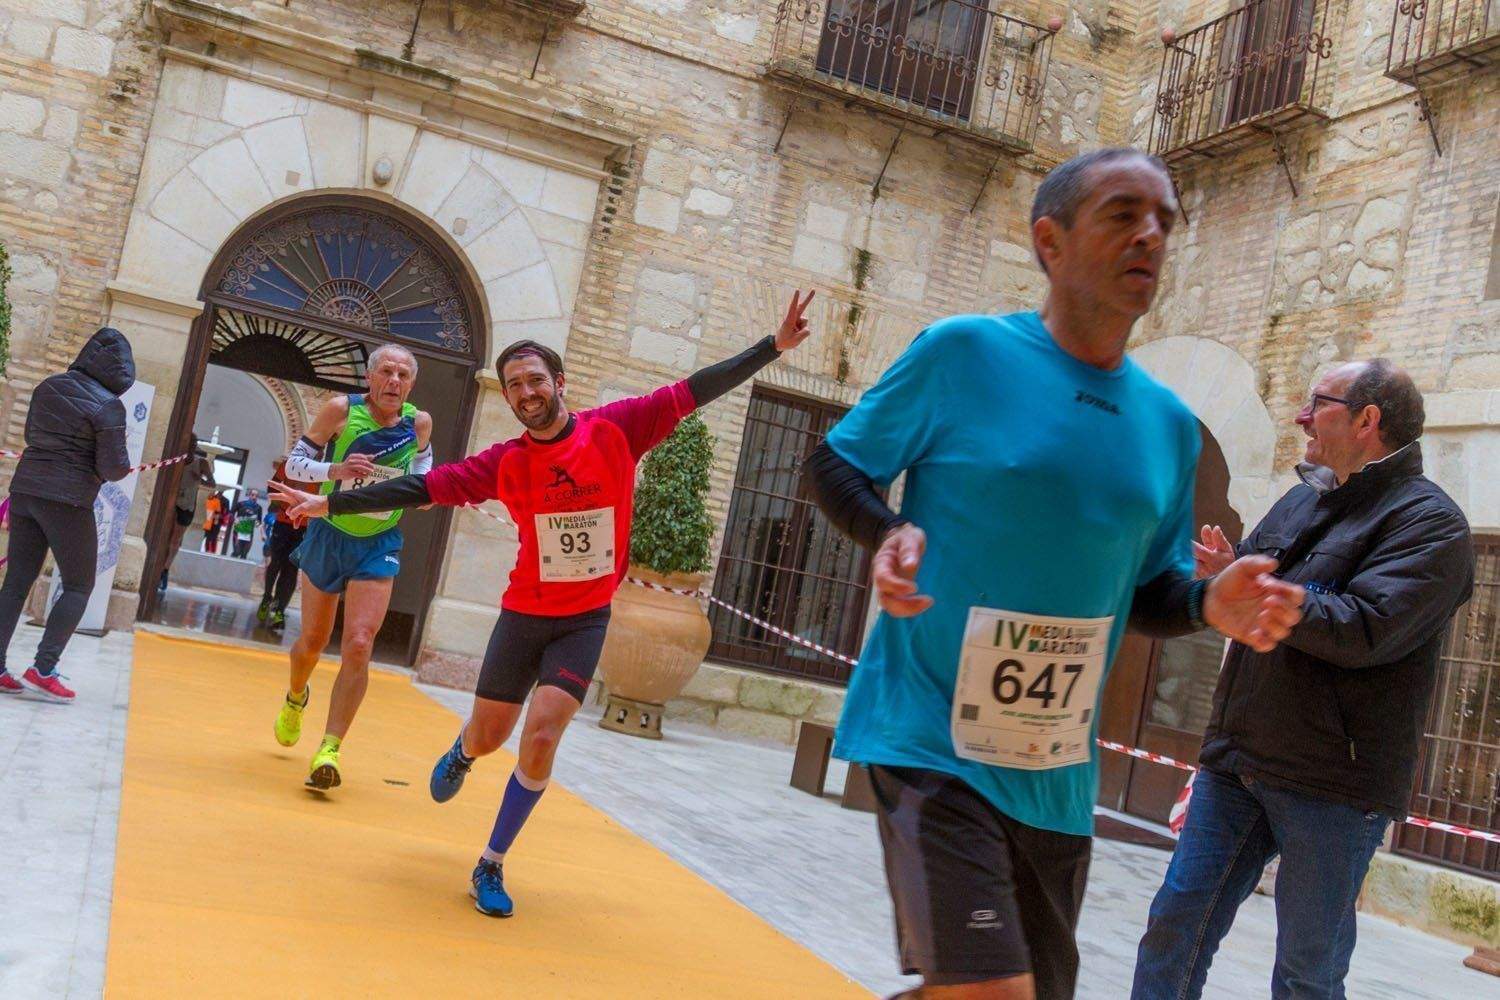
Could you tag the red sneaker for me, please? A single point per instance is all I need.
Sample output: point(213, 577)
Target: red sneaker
point(9, 685)
point(48, 688)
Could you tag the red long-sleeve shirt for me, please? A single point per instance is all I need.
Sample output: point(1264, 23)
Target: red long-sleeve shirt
point(570, 498)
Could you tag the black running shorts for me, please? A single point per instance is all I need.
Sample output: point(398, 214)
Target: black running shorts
point(977, 894)
point(532, 649)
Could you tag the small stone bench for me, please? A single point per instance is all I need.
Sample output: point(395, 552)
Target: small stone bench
point(810, 768)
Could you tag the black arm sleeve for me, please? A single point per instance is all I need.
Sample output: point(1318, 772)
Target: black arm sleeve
point(1163, 607)
point(847, 496)
point(393, 494)
point(708, 384)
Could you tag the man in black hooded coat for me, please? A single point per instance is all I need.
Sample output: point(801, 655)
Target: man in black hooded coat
point(75, 441)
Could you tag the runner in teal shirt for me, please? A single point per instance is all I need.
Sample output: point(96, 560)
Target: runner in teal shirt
point(1047, 501)
point(1045, 486)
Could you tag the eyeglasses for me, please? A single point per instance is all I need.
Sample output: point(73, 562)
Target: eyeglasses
point(1322, 397)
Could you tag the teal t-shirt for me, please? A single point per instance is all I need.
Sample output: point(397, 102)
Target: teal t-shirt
point(1046, 487)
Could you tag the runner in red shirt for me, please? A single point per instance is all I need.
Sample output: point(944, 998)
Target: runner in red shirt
point(568, 483)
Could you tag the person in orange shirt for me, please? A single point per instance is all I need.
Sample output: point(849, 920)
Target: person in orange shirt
point(214, 509)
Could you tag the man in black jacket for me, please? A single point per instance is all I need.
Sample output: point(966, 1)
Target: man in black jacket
point(75, 442)
point(1311, 747)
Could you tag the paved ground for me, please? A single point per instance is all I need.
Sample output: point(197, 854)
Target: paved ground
point(813, 869)
point(721, 807)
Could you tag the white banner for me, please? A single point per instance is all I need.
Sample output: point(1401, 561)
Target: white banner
point(112, 512)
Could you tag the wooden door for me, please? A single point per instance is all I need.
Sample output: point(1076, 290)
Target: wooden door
point(1159, 693)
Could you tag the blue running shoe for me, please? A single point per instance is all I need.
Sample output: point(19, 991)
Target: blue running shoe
point(488, 889)
point(449, 773)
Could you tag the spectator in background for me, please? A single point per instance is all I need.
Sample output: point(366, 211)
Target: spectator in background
point(284, 537)
point(75, 441)
point(1312, 746)
point(246, 516)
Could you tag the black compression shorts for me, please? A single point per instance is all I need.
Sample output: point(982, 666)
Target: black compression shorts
point(532, 649)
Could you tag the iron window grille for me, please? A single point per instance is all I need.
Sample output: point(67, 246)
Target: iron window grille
point(782, 560)
point(1458, 764)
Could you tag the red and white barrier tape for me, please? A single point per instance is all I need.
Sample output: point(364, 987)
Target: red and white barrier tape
point(1136, 752)
point(1154, 758)
point(748, 617)
point(159, 463)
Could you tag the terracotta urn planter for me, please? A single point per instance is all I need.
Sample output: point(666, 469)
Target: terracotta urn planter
point(655, 644)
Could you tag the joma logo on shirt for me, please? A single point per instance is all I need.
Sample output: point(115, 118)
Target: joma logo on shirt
point(1094, 401)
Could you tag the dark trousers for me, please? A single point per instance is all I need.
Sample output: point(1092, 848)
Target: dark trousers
point(242, 546)
point(281, 573)
point(37, 525)
point(1234, 826)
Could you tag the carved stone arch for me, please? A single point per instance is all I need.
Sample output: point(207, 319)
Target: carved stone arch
point(289, 401)
point(1218, 385)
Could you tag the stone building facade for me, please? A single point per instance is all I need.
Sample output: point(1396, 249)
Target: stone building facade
point(624, 180)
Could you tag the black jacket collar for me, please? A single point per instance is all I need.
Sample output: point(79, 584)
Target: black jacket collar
point(1375, 477)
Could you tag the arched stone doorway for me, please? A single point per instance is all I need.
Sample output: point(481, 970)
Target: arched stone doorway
point(301, 294)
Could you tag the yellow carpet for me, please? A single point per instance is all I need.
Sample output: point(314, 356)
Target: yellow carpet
point(233, 880)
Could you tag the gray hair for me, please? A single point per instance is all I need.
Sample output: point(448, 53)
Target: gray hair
point(373, 361)
point(1066, 185)
point(1382, 385)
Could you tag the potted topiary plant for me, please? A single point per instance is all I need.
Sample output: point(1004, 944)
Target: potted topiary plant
point(657, 640)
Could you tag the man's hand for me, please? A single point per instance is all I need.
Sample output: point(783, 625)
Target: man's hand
point(895, 572)
point(1248, 604)
point(794, 329)
point(1214, 555)
point(356, 466)
point(299, 506)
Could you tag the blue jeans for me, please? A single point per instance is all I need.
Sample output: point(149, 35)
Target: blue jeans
point(1234, 826)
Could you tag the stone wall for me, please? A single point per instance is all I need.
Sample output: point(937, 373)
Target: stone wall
point(79, 82)
point(752, 704)
point(1384, 250)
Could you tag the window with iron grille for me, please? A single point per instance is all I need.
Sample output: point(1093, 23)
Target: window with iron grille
point(782, 561)
point(1458, 769)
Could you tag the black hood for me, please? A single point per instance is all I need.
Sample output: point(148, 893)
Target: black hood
point(107, 359)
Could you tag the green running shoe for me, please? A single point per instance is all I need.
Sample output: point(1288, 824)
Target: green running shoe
point(323, 773)
point(289, 719)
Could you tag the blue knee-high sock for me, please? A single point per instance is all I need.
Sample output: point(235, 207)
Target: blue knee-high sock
point(521, 795)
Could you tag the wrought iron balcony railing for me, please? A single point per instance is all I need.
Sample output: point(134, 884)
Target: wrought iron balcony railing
point(1433, 41)
point(952, 64)
point(1256, 70)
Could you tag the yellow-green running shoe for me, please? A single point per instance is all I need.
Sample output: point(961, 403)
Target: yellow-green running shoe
point(289, 719)
point(323, 773)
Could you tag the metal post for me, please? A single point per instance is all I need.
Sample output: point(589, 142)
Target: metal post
point(784, 123)
point(546, 28)
point(875, 191)
point(409, 49)
point(1286, 163)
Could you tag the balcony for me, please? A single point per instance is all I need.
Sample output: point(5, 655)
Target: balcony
point(1257, 70)
point(952, 65)
point(1434, 41)
point(565, 9)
